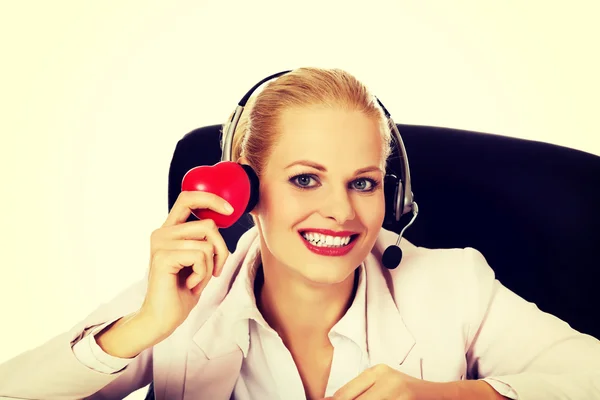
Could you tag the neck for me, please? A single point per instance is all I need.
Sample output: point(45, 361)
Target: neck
point(300, 311)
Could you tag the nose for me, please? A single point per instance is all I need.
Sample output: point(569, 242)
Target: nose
point(338, 205)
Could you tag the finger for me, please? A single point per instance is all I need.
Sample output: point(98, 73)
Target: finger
point(193, 230)
point(201, 286)
point(201, 230)
point(206, 268)
point(216, 266)
point(173, 261)
point(197, 289)
point(211, 258)
point(202, 268)
point(198, 271)
point(380, 390)
point(185, 245)
point(188, 267)
point(356, 386)
point(190, 200)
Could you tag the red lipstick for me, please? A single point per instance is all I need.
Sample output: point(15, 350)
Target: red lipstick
point(326, 250)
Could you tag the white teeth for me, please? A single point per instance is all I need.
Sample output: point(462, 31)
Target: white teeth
point(320, 240)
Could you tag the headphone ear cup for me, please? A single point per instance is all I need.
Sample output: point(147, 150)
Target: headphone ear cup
point(254, 186)
point(390, 190)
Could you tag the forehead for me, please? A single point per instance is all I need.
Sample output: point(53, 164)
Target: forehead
point(332, 136)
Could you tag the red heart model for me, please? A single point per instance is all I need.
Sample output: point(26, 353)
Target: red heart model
point(226, 179)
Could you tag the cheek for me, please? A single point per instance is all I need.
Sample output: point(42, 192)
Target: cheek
point(371, 210)
point(279, 211)
point(279, 206)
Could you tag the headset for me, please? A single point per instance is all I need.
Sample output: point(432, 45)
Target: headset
point(399, 198)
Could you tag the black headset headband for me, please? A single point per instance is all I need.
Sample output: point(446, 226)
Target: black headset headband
point(403, 201)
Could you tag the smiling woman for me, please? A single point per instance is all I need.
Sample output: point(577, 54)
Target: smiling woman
point(324, 193)
point(305, 307)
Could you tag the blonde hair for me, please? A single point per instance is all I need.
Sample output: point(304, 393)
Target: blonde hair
point(255, 134)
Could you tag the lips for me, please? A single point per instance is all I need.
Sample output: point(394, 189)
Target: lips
point(328, 243)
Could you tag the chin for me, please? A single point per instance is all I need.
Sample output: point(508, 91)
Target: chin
point(326, 272)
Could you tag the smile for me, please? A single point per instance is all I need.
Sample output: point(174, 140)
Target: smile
point(328, 243)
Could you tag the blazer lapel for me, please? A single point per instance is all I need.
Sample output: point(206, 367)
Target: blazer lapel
point(214, 360)
point(202, 363)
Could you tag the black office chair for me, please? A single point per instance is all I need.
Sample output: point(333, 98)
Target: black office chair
point(531, 208)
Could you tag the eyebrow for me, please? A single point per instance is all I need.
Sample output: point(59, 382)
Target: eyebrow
point(321, 168)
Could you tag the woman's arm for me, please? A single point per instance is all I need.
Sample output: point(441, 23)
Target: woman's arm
point(128, 336)
point(52, 371)
point(466, 390)
point(511, 341)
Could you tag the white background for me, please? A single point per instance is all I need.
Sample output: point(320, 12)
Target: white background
point(95, 95)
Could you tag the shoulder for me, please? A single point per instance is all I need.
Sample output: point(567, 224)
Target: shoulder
point(435, 289)
point(435, 274)
point(432, 262)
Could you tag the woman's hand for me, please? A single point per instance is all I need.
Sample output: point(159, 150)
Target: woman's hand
point(383, 382)
point(183, 258)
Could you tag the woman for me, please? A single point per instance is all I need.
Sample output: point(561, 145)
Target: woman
point(303, 308)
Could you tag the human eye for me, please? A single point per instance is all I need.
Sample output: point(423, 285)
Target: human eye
point(303, 181)
point(365, 184)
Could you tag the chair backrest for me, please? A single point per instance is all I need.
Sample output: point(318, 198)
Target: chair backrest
point(531, 208)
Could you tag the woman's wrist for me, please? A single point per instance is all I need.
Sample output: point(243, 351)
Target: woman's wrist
point(128, 336)
point(466, 390)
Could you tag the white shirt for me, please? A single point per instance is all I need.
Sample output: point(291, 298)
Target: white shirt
point(268, 370)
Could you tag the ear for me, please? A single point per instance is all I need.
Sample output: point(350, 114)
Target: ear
point(254, 211)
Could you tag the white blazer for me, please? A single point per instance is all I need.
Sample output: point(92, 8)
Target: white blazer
point(440, 316)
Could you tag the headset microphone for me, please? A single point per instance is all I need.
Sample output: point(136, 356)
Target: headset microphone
point(393, 254)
